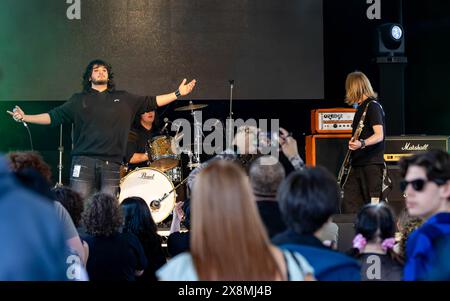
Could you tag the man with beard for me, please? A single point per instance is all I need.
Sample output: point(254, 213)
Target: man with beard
point(102, 117)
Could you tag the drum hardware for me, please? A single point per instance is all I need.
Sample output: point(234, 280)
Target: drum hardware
point(231, 125)
point(156, 204)
point(149, 184)
point(174, 174)
point(191, 164)
point(191, 107)
point(198, 133)
point(163, 153)
point(60, 163)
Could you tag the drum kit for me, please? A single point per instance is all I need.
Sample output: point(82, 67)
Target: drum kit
point(155, 183)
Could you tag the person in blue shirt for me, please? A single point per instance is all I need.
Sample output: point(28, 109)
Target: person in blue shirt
point(426, 186)
point(32, 240)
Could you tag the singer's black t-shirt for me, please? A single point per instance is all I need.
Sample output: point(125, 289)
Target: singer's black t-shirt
point(102, 121)
point(139, 139)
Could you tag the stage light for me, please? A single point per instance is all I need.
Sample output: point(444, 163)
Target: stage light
point(390, 39)
point(397, 32)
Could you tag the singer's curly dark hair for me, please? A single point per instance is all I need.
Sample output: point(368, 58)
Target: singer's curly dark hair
point(86, 83)
point(103, 216)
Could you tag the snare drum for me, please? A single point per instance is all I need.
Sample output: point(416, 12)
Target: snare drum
point(174, 174)
point(151, 185)
point(162, 152)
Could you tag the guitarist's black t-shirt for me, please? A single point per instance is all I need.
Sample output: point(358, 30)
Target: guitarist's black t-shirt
point(372, 154)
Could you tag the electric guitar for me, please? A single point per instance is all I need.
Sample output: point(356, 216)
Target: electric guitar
point(344, 172)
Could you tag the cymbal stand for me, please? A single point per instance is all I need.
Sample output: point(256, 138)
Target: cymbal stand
point(198, 133)
point(230, 117)
point(61, 151)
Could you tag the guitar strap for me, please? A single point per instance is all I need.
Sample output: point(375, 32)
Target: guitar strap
point(363, 118)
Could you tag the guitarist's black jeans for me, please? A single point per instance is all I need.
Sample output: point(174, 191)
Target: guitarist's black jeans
point(363, 184)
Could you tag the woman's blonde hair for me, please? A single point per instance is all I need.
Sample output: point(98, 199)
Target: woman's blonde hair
point(228, 239)
point(357, 86)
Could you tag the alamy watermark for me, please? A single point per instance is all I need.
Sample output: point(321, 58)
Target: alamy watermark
point(73, 12)
point(374, 10)
point(373, 271)
point(243, 136)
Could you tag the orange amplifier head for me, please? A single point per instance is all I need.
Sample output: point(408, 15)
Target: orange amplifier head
point(336, 120)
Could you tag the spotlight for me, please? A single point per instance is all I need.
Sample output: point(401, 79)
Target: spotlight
point(390, 39)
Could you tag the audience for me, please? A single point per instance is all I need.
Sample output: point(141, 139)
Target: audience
point(406, 224)
point(374, 242)
point(228, 239)
point(35, 174)
point(308, 199)
point(138, 221)
point(72, 201)
point(440, 270)
point(178, 241)
point(427, 188)
point(32, 242)
point(266, 174)
point(113, 256)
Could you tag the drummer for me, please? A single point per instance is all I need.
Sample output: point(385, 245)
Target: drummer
point(145, 127)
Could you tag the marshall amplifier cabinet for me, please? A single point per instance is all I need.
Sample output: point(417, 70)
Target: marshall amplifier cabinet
point(329, 121)
point(398, 147)
point(403, 146)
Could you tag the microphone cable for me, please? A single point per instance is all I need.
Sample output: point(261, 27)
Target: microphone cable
point(29, 134)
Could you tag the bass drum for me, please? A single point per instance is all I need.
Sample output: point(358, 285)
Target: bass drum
point(151, 185)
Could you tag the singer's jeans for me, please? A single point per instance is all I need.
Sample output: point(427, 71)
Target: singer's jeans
point(89, 175)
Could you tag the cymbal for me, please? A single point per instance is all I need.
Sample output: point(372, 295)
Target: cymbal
point(191, 107)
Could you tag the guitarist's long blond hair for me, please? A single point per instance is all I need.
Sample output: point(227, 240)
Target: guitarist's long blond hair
point(357, 86)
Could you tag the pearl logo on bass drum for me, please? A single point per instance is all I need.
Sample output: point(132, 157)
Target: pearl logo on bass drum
point(147, 177)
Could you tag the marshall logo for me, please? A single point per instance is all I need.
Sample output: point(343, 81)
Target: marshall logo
point(144, 176)
point(411, 147)
point(333, 116)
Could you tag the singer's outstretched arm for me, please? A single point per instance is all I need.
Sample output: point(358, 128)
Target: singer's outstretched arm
point(19, 114)
point(183, 89)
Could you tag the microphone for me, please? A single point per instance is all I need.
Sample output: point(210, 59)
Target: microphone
point(19, 120)
point(166, 120)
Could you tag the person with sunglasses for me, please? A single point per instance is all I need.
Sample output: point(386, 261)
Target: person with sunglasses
point(426, 186)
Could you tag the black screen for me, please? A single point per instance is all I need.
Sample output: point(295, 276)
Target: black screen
point(273, 49)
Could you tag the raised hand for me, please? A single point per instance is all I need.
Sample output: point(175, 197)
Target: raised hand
point(185, 89)
point(17, 114)
point(288, 144)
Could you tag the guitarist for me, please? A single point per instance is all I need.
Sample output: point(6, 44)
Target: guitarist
point(364, 183)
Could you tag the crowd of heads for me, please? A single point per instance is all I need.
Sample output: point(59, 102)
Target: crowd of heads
point(228, 239)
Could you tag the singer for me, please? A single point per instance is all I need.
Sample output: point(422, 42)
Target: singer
point(144, 129)
point(102, 117)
